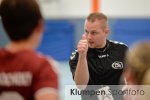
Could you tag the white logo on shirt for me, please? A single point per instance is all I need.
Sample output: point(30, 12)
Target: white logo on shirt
point(72, 57)
point(103, 56)
point(73, 54)
point(117, 65)
point(15, 79)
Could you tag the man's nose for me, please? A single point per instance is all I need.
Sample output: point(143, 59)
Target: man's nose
point(89, 36)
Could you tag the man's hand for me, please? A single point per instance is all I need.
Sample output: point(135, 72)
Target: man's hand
point(82, 46)
point(81, 79)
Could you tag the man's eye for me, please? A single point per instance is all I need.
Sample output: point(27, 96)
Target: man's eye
point(87, 32)
point(93, 33)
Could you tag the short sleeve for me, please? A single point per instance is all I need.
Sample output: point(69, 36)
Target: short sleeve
point(124, 51)
point(73, 61)
point(46, 78)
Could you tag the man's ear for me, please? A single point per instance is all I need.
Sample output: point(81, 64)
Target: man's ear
point(38, 33)
point(40, 26)
point(107, 31)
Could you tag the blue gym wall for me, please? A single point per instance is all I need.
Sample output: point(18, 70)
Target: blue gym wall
point(58, 39)
point(61, 35)
point(3, 37)
point(130, 30)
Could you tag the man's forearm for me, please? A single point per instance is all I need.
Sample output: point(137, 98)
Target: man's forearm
point(82, 73)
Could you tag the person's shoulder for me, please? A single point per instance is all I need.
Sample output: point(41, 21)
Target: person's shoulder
point(52, 62)
point(74, 54)
point(41, 60)
point(46, 58)
point(32, 57)
point(118, 44)
point(2, 52)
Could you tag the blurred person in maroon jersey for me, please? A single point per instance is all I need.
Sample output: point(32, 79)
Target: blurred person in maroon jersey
point(24, 74)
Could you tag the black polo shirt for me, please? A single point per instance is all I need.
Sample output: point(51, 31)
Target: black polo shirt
point(105, 66)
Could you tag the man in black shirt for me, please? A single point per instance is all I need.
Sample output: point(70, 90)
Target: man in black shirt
point(97, 60)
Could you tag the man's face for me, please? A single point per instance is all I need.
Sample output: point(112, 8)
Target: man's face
point(96, 34)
